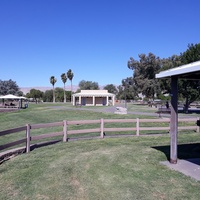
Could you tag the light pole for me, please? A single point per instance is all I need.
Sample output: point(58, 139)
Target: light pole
point(124, 83)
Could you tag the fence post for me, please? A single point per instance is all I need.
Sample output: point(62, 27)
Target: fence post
point(198, 126)
point(64, 130)
point(102, 128)
point(28, 127)
point(137, 126)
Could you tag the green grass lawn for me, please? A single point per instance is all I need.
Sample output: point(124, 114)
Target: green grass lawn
point(110, 168)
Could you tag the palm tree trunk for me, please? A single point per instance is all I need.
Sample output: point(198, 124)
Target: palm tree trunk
point(64, 95)
point(54, 99)
point(71, 91)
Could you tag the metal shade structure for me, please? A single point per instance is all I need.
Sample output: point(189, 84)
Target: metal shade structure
point(190, 72)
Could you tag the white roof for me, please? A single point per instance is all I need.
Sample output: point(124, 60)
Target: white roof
point(91, 93)
point(189, 71)
point(11, 96)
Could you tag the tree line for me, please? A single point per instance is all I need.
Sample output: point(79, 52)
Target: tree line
point(142, 82)
point(64, 76)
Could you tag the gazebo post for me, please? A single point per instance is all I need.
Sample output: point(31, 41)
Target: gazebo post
point(174, 120)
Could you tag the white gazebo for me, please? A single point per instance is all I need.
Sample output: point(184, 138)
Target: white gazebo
point(190, 72)
point(94, 98)
point(11, 96)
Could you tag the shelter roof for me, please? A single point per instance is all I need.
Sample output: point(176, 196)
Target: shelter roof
point(11, 96)
point(190, 71)
point(91, 93)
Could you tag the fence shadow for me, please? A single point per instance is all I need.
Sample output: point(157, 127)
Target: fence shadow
point(185, 151)
point(43, 144)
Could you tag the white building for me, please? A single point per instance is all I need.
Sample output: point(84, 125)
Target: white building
point(94, 98)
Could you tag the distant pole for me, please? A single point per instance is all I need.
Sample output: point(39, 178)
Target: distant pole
point(124, 82)
point(125, 98)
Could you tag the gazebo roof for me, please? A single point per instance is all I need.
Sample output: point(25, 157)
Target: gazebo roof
point(190, 71)
point(11, 96)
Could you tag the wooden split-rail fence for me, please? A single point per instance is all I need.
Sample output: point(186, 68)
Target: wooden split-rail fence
point(102, 129)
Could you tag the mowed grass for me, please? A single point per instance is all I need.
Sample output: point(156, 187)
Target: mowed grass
point(110, 168)
point(47, 113)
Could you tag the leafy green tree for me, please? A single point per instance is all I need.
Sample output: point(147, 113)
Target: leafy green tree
point(20, 93)
point(59, 94)
point(70, 76)
point(8, 87)
point(53, 80)
point(64, 80)
point(144, 72)
point(35, 94)
point(111, 88)
point(88, 85)
point(48, 96)
point(129, 89)
point(192, 54)
point(120, 95)
point(168, 63)
point(189, 89)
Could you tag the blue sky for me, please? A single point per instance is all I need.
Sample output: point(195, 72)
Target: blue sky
point(94, 38)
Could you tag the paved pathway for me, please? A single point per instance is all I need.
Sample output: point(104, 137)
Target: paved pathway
point(112, 109)
point(189, 167)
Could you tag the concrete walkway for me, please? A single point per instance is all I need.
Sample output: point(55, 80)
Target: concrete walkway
point(112, 109)
point(189, 167)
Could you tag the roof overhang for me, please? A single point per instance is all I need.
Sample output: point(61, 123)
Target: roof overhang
point(190, 71)
point(95, 95)
point(10, 96)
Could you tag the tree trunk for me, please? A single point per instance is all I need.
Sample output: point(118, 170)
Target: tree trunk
point(64, 95)
point(54, 99)
point(71, 91)
point(186, 105)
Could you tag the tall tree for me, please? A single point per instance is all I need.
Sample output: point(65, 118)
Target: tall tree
point(64, 80)
point(144, 72)
point(53, 81)
point(129, 89)
point(168, 63)
point(88, 85)
point(35, 94)
point(189, 89)
point(8, 87)
point(70, 76)
point(48, 96)
point(111, 88)
point(192, 54)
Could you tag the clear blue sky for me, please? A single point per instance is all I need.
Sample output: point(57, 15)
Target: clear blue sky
point(94, 38)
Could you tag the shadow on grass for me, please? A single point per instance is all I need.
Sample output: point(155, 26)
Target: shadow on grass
point(43, 144)
point(185, 151)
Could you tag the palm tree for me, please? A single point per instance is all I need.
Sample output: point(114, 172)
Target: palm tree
point(64, 80)
point(53, 81)
point(70, 76)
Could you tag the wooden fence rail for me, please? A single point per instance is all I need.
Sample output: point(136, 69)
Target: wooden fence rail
point(136, 126)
